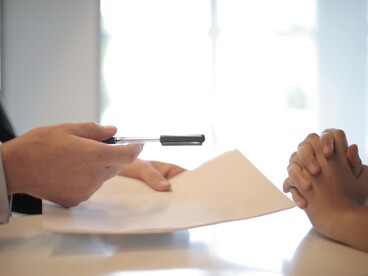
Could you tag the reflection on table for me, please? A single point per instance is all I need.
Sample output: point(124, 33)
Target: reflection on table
point(276, 244)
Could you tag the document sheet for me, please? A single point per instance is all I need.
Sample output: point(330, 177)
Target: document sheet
point(224, 189)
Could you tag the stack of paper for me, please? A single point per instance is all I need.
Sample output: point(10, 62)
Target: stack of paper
point(223, 189)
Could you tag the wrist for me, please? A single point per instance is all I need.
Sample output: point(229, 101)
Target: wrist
point(351, 227)
point(10, 169)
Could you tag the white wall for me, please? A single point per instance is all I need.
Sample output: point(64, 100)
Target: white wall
point(342, 47)
point(50, 61)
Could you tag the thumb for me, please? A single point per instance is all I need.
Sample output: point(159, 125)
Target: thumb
point(94, 131)
point(155, 179)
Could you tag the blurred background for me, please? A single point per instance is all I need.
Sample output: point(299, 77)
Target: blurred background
point(256, 75)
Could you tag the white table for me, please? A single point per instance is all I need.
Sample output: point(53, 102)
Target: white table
point(276, 244)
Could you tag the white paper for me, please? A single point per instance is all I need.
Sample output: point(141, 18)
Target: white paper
point(223, 189)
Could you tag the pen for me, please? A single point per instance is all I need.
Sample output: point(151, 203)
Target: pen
point(165, 140)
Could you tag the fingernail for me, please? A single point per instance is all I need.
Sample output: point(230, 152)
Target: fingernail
point(164, 184)
point(326, 150)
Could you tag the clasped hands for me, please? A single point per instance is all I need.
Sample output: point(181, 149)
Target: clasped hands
point(327, 179)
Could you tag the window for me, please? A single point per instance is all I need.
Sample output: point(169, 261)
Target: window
point(247, 74)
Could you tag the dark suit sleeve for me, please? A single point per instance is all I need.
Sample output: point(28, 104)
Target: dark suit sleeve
point(21, 203)
point(6, 130)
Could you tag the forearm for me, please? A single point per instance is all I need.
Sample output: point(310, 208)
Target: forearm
point(352, 228)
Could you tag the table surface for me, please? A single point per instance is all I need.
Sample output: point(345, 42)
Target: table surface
point(282, 243)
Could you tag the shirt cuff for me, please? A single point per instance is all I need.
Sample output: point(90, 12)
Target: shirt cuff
point(5, 200)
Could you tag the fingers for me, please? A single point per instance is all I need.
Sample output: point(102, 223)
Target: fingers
point(174, 171)
point(297, 176)
point(334, 142)
point(327, 143)
point(333, 139)
point(157, 173)
point(330, 141)
point(156, 181)
point(311, 154)
point(112, 155)
point(168, 170)
point(341, 142)
point(153, 177)
point(298, 198)
point(302, 159)
point(307, 156)
point(92, 130)
point(354, 160)
point(154, 173)
point(288, 186)
point(120, 154)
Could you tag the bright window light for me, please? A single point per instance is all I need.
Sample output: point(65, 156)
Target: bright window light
point(240, 72)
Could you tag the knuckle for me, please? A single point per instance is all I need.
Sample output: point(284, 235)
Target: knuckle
point(293, 157)
point(286, 185)
point(302, 145)
point(312, 136)
point(310, 139)
point(290, 168)
point(91, 125)
point(340, 133)
point(328, 130)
